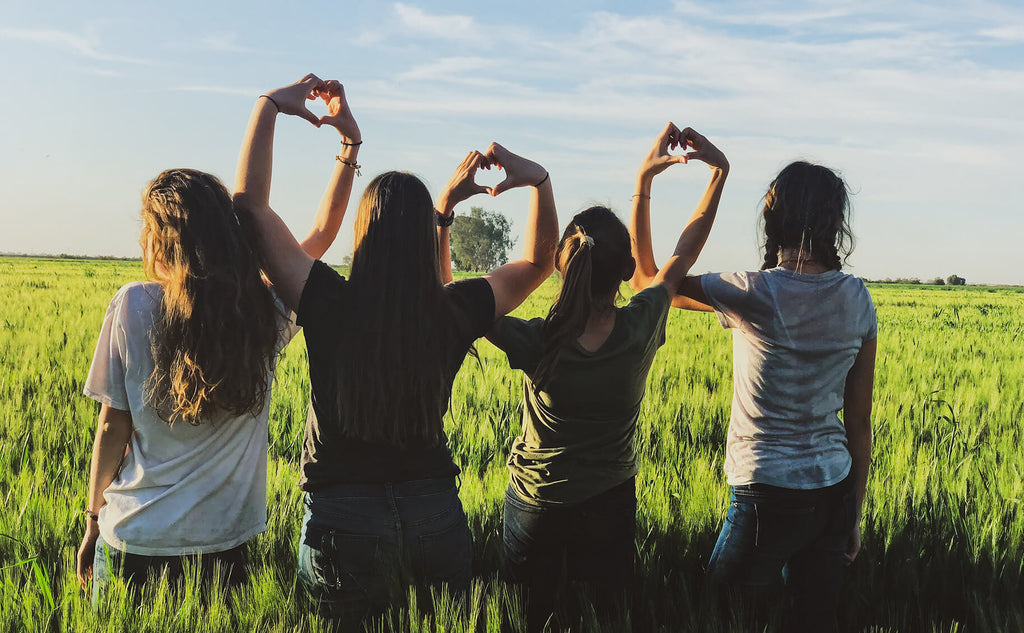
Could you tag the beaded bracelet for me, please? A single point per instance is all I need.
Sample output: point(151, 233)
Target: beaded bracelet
point(352, 164)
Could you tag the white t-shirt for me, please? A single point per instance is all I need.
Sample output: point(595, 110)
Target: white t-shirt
point(182, 489)
point(795, 338)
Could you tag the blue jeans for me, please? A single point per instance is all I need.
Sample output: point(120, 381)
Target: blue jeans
point(795, 538)
point(137, 568)
point(593, 541)
point(363, 544)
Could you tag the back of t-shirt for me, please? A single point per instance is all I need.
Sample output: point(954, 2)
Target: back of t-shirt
point(795, 338)
point(577, 438)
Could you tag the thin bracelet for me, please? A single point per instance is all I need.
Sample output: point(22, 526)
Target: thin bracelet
point(92, 515)
point(640, 195)
point(544, 179)
point(354, 165)
point(269, 98)
point(351, 144)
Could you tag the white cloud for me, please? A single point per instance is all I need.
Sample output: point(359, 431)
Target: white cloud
point(458, 27)
point(226, 42)
point(86, 47)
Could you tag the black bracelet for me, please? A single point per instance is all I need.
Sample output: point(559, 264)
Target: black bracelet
point(351, 144)
point(269, 98)
point(444, 220)
point(544, 179)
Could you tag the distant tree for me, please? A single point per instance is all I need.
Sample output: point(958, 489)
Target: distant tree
point(346, 261)
point(480, 240)
point(956, 280)
point(938, 281)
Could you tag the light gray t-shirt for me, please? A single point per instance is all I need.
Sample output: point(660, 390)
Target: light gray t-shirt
point(795, 338)
point(182, 489)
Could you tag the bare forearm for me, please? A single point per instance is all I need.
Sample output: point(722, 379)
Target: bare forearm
point(541, 237)
point(112, 435)
point(640, 232)
point(255, 160)
point(695, 235)
point(444, 253)
point(858, 435)
point(333, 204)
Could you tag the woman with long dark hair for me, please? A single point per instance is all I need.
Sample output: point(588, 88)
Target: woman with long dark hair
point(804, 342)
point(183, 372)
point(384, 348)
point(571, 498)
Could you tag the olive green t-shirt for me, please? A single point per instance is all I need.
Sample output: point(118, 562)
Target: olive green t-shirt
point(578, 433)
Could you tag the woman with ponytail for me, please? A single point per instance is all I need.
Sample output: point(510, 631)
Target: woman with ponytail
point(571, 497)
point(804, 341)
point(183, 373)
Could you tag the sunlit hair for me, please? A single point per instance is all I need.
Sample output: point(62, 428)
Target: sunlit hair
point(593, 258)
point(807, 208)
point(216, 332)
point(392, 386)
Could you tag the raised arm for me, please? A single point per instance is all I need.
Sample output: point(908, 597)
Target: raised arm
point(113, 432)
point(513, 282)
point(335, 200)
point(860, 383)
point(287, 264)
point(686, 292)
point(460, 187)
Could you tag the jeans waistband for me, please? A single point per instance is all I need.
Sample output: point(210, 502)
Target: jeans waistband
point(412, 488)
point(753, 493)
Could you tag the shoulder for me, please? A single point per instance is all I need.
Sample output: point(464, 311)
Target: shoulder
point(137, 297)
point(321, 295)
point(654, 298)
point(743, 281)
point(474, 298)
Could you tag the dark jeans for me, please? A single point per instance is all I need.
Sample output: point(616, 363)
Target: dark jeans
point(590, 544)
point(363, 544)
point(137, 568)
point(795, 538)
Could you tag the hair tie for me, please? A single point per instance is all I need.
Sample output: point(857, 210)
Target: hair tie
point(589, 240)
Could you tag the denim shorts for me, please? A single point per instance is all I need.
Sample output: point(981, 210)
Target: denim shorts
point(137, 568)
point(776, 538)
point(362, 545)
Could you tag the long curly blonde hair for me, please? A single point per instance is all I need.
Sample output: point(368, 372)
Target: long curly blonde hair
point(216, 333)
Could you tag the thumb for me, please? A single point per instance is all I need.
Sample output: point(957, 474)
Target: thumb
point(501, 187)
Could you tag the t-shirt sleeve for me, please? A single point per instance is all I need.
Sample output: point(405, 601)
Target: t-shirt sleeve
point(729, 294)
point(871, 317)
point(522, 341)
point(106, 381)
point(649, 312)
point(321, 295)
point(286, 325)
point(474, 299)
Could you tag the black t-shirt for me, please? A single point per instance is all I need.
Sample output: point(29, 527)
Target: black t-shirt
point(329, 456)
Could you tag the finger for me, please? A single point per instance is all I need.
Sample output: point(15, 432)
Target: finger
point(481, 189)
point(309, 116)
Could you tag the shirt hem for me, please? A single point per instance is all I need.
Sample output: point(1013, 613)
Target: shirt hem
point(736, 480)
point(211, 548)
point(107, 400)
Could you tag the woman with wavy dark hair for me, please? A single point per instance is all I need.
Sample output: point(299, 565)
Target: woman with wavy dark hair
point(183, 372)
point(571, 497)
point(804, 341)
point(384, 347)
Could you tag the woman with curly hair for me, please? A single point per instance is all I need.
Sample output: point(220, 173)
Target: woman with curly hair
point(183, 373)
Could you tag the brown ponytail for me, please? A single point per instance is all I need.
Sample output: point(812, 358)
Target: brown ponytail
point(593, 256)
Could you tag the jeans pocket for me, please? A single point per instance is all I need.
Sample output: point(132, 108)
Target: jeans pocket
point(340, 567)
point(736, 543)
point(446, 555)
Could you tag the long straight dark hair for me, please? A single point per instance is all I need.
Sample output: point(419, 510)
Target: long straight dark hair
point(392, 372)
point(593, 257)
point(807, 207)
point(217, 329)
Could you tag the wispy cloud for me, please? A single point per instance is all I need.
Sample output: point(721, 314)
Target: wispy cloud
point(84, 46)
point(459, 27)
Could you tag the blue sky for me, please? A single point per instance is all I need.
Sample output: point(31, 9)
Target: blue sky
point(918, 105)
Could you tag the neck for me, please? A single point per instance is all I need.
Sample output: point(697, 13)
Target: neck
point(800, 261)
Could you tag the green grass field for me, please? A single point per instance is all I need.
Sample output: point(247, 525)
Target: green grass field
point(943, 534)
